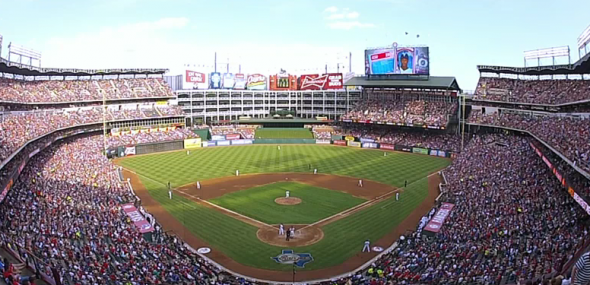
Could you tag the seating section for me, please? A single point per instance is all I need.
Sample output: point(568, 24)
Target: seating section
point(18, 128)
point(403, 112)
point(150, 137)
point(532, 91)
point(246, 131)
point(323, 132)
point(81, 90)
point(568, 135)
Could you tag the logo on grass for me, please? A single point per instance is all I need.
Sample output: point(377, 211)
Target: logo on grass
point(289, 257)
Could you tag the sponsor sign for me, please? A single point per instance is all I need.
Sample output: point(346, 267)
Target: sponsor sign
point(329, 81)
point(256, 82)
point(435, 224)
point(283, 81)
point(192, 143)
point(434, 152)
point(241, 142)
point(206, 144)
point(240, 81)
point(137, 218)
point(223, 143)
point(195, 80)
point(354, 144)
point(322, 141)
point(387, 146)
point(22, 166)
point(228, 81)
point(339, 142)
point(419, 150)
point(33, 153)
point(129, 150)
point(218, 138)
point(363, 140)
point(349, 138)
point(582, 203)
point(203, 250)
point(287, 256)
point(442, 153)
point(215, 82)
point(232, 137)
point(369, 145)
point(547, 162)
point(5, 190)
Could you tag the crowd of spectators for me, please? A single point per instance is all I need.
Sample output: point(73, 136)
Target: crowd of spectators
point(568, 135)
point(427, 139)
point(43, 91)
point(246, 131)
point(558, 91)
point(67, 212)
point(323, 132)
point(19, 127)
point(419, 112)
point(146, 136)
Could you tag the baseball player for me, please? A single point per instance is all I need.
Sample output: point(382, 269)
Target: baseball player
point(188, 152)
point(360, 183)
point(288, 235)
point(367, 246)
point(287, 194)
point(281, 229)
point(237, 172)
point(292, 230)
point(315, 171)
point(406, 183)
point(278, 147)
point(397, 196)
point(385, 154)
point(198, 185)
point(170, 194)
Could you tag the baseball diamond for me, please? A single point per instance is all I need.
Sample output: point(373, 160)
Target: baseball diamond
point(238, 218)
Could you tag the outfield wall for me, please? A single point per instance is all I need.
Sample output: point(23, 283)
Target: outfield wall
point(284, 141)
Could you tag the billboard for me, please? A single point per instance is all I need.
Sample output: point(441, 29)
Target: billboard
point(194, 80)
point(328, 81)
point(142, 225)
point(256, 82)
point(215, 80)
point(397, 60)
point(228, 81)
point(439, 218)
point(240, 81)
point(283, 81)
point(192, 143)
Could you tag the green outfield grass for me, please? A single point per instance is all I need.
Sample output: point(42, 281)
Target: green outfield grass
point(258, 203)
point(283, 133)
point(342, 239)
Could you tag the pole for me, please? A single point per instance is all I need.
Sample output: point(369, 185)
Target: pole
point(215, 63)
point(349, 61)
point(104, 122)
point(463, 123)
point(227, 65)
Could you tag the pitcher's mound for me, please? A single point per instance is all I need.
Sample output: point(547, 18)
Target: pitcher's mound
point(288, 201)
point(306, 236)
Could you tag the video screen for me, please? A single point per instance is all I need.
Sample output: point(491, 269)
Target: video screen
point(397, 60)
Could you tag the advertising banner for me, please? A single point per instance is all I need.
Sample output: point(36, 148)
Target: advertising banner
point(228, 81)
point(283, 81)
point(256, 82)
point(342, 143)
point(386, 146)
point(223, 143)
point(322, 141)
point(435, 224)
point(369, 145)
point(547, 162)
point(129, 150)
point(142, 225)
point(364, 140)
point(218, 138)
point(34, 152)
point(5, 190)
point(194, 80)
point(206, 144)
point(329, 81)
point(442, 153)
point(354, 144)
point(397, 60)
point(192, 143)
point(241, 142)
point(349, 138)
point(419, 150)
point(232, 137)
point(215, 80)
point(434, 152)
point(582, 203)
point(240, 79)
point(403, 148)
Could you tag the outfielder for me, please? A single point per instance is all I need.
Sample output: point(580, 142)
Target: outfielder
point(237, 172)
point(188, 152)
point(170, 194)
point(287, 194)
point(360, 183)
point(278, 147)
point(367, 246)
point(385, 154)
point(281, 229)
point(315, 171)
point(397, 196)
point(198, 185)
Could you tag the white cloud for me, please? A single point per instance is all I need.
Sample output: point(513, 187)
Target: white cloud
point(343, 19)
point(347, 25)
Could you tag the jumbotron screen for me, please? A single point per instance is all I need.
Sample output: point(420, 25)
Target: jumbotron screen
point(397, 60)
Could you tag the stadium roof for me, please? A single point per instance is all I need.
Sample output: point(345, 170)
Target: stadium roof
point(433, 82)
point(25, 70)
point(581, 66)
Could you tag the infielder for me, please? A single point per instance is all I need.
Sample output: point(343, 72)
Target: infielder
point(360, 183)
point(237, 172)
point(287, 194)
point(198, 185)
point(281, 229)
point(367, 246)
point(397, 196)
point(315, 171)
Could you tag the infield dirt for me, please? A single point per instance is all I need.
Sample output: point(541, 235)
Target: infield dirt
point(372, 191)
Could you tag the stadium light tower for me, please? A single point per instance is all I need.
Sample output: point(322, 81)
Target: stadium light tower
point(583, 41)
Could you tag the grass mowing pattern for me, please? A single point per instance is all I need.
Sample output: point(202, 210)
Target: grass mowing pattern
point(343, 238)
point(283, 133)
point(258, 203)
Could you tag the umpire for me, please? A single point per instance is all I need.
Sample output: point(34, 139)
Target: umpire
point(288, 234)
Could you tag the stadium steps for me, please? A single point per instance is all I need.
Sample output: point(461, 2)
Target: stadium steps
point(12, 260)
point(158, 111)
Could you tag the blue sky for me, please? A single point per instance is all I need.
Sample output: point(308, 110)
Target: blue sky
point(299, 36)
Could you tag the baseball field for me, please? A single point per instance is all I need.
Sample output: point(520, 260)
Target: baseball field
point(238, 217)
